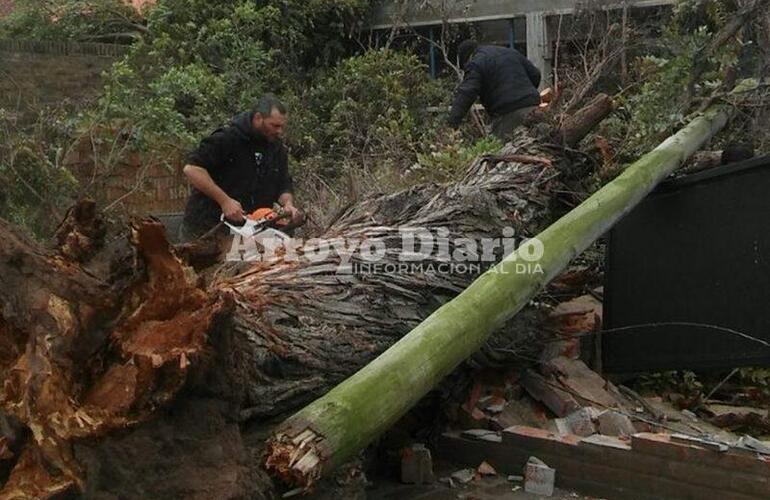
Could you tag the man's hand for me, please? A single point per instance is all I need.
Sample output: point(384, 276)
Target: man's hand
point(232, 210)
point(297, 216)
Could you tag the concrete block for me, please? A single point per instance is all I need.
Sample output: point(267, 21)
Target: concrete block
point(612, 423)
point(561, 427)
point(539, 479)
point(580, 422)
point(464, 476)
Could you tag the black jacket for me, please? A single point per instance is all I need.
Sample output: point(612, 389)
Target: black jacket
point(244, 164)
point(503, 78)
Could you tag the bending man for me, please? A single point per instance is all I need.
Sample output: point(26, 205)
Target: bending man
point(504, 80)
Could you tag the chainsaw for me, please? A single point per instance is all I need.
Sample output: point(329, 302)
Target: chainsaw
point(262, 220)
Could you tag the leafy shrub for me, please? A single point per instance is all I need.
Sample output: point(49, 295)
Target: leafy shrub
point(375, 104)
point(69, 19)
point(448, 160)
point(37, 187)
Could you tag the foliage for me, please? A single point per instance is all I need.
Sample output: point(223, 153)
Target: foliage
point(685, 382)
point(201, 62)
point(759, 376)
point(659, 102)
point(37, 186)
point(359, 120)
point(373, 106)
point(361, 126)
point(69, 19)
point(659, 106)
point(449, 160)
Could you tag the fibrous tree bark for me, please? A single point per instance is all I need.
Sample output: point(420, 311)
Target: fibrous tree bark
point(346, 419)
point(124, 373)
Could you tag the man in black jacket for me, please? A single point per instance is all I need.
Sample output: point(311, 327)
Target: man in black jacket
point(504, 80)
point(239, 168)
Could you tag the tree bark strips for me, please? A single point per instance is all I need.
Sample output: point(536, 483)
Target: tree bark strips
point(335, 427)
point(119, 363)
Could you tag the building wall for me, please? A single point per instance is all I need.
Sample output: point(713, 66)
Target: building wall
point(391, 12)
point(35, 74)
point(532, 21)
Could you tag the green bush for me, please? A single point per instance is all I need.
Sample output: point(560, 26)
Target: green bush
point(449, 160)
point(375, 105)
point(202, 62)
point(661, 104)
point(69, 19)
point(357, 123)
point(37, 187)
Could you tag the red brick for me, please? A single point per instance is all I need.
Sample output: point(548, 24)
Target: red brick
point(532, 438)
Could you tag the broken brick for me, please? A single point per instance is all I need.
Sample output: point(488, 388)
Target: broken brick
point(484, 469)
point(521, 412)
point(557, 400)
point(417, 465)
point(585, 384)
point(474, 419)
point(580, 422)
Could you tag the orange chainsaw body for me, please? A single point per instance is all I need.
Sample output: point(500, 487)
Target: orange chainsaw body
point(268, 215)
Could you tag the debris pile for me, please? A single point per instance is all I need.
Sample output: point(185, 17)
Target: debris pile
point(561, 422)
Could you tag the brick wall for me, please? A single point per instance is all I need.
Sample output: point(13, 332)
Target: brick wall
point(6, 7)
point(644, 466)
point(35, 73)
point(145, 187)
point(139, 184)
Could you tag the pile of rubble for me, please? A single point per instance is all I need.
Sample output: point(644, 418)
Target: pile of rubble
point(560, 422)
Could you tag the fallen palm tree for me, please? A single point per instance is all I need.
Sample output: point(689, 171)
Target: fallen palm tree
point(124, 374)
point(335, 427)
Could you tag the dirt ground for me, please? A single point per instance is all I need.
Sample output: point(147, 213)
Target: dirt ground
point(488, 488)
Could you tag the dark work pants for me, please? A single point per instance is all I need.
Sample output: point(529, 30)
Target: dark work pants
point(504, 125)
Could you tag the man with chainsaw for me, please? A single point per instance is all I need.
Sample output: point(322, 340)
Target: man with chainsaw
point(505, 81)
point(240, 168)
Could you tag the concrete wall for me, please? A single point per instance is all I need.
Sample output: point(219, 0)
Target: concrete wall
point(391, 13)
point(537, 14)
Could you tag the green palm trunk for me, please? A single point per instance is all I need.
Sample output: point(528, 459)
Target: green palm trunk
point(335, 427)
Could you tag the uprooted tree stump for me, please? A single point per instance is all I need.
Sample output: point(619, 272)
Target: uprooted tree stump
point(125, 375)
